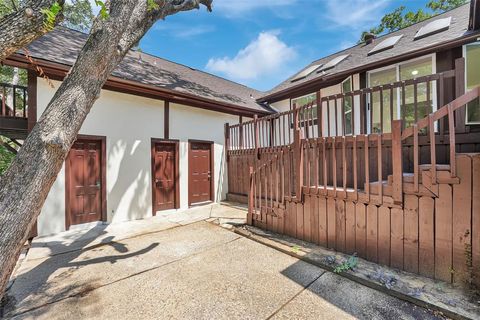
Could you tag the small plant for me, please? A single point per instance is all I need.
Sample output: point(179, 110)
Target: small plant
point(295, 249)
point(349, 264)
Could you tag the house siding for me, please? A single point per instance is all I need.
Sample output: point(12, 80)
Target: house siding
point(129, 122)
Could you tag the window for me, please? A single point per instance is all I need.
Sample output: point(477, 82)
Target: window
point(386, 44)
point(404, 71)
point(347, 87)
point(306, 72)
point(302, 101)
point(472, 59)
point(412, 70)
point(433, 27)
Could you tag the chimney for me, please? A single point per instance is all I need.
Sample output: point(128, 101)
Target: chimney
point(474, 21)
point(370, 37)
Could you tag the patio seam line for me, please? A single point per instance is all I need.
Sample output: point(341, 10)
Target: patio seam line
point(87, 291)
point(296, 295)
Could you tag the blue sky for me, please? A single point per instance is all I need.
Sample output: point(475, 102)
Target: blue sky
point(260, 43)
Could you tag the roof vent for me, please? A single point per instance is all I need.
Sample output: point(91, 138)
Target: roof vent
point(369, 37)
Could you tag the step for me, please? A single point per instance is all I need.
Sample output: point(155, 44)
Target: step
point(439, 167)
point(442, 177)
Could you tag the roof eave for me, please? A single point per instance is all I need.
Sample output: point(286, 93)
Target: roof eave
point(58, 71)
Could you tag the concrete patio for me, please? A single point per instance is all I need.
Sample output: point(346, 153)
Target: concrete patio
point(182, 266)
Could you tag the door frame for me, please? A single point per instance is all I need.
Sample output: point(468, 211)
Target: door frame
point(176, 170)
point(212, 168)
point(103, 168)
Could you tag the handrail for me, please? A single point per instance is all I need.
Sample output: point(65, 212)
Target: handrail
point(10, 111)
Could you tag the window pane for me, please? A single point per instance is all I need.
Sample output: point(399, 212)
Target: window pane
point(473, 80)
point(300, 102)
point(412, 70)
point(376, 79)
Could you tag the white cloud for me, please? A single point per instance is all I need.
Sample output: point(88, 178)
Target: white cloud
point(355, 13)
point(237, 7)
point(264, 56)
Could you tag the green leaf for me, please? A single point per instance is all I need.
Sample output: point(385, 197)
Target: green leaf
point(152, 5)
point(50, 15)
point(103, 9)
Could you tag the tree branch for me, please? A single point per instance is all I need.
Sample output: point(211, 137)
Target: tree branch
point(21, 27)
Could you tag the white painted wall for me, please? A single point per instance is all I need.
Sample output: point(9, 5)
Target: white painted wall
point(129, 122)
point(281, 106)
point(197, 124)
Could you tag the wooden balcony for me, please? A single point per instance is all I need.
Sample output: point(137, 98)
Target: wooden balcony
point(399, 193)
point(14, 111)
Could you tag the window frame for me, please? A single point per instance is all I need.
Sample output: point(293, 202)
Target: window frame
point(464, 55)
point(349, 78)
point(433, 57)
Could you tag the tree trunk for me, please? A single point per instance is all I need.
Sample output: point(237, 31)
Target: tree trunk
point(21, 27)
point(28, 180)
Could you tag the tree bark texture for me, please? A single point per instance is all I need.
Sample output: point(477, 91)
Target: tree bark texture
point(25, 185)
point(21, 27)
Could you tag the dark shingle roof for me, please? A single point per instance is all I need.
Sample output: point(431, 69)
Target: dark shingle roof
point(63, 45)
point(358, 55)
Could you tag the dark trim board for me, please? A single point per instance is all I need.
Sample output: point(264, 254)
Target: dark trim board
point(103, 165)
point(58, 71)
point(166, 120)
point(155, 141)
point(212, 169)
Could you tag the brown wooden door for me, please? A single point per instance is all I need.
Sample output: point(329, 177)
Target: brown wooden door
point(164, 176)
point(85, 182)
point(200, 180)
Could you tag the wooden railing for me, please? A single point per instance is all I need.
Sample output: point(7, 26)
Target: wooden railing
point(17, 106)
point(331, 118)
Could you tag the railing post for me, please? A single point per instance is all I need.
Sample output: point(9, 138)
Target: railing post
point(240, 132)
point(397, 161)
point(319, 114)
point(298, 152)
point(32, 100)
point(460, 114)
point(255, 127)
point(227, 140)
point(251, 198)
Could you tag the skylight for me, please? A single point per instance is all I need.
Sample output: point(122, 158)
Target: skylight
point(306, 72)
point(386, 44)
point(433, 27)
point(332, 63)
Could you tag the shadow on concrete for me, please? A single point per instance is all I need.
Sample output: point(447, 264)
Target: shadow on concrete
point(35, 281)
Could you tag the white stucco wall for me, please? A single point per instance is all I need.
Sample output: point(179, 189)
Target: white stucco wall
point(281, 106)
point(129, 122)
